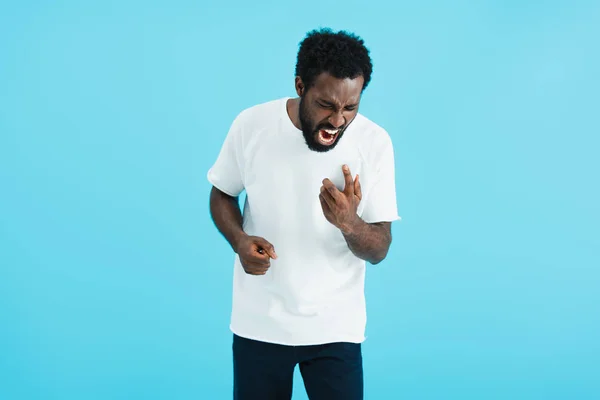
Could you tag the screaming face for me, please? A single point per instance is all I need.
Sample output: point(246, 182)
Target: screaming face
point(327, 109)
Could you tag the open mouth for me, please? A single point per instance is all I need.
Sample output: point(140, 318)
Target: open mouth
point(326, 137)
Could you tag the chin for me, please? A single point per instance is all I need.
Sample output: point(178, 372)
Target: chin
point(314, 144)
point(323, 140)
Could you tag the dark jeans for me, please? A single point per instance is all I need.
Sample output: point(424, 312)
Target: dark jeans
point(264, 371)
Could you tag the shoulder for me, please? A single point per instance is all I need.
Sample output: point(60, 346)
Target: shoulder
point(260, 114)
point(373, 138)
point(253, 123)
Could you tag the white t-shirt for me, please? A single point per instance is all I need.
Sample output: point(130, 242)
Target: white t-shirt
point(314, 292)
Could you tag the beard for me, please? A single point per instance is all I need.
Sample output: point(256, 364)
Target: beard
point(310, 130)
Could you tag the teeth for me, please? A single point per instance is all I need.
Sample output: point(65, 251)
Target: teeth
point(331, 135)
point(326, 140)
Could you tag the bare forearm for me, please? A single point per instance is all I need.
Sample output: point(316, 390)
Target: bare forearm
point(227, 216)
point(369, 242)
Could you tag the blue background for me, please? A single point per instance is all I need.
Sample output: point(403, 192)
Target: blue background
point(114, 283)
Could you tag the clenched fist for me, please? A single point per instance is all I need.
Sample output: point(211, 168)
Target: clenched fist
point(255, 254)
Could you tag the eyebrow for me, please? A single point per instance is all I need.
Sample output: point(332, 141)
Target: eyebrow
point(331, 103)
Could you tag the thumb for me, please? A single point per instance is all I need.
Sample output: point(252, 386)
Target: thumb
point(267, 247)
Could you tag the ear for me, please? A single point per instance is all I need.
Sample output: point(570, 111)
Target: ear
point(300, 88)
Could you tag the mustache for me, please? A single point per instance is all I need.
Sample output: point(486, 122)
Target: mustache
point(329, 127)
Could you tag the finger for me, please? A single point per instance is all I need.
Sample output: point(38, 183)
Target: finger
point(328, 198)
point(257, 259)
point(252, 266)
point(255, 271)
point(248, 263)
point(254, 263)
point(349, 187)
point(258, 253)
point(357, 188)
point(330, 187)
point(325, 206)
point(267, 247)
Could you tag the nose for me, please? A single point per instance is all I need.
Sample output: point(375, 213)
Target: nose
point(337, 119)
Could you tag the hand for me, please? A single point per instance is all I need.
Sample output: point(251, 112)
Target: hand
point(340, 207)
point(255, 254)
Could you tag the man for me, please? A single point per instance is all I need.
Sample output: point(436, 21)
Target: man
point(320, 198)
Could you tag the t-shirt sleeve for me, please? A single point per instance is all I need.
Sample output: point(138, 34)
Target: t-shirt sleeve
point(381, 203)
point(226, 172)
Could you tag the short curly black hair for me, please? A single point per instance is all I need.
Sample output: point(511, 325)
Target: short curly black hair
point(342, 54)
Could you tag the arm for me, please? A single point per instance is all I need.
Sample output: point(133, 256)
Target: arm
point(255, 253)
point(227, 216)
point(369, 242)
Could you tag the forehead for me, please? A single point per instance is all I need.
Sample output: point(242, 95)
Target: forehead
point(337, 90)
